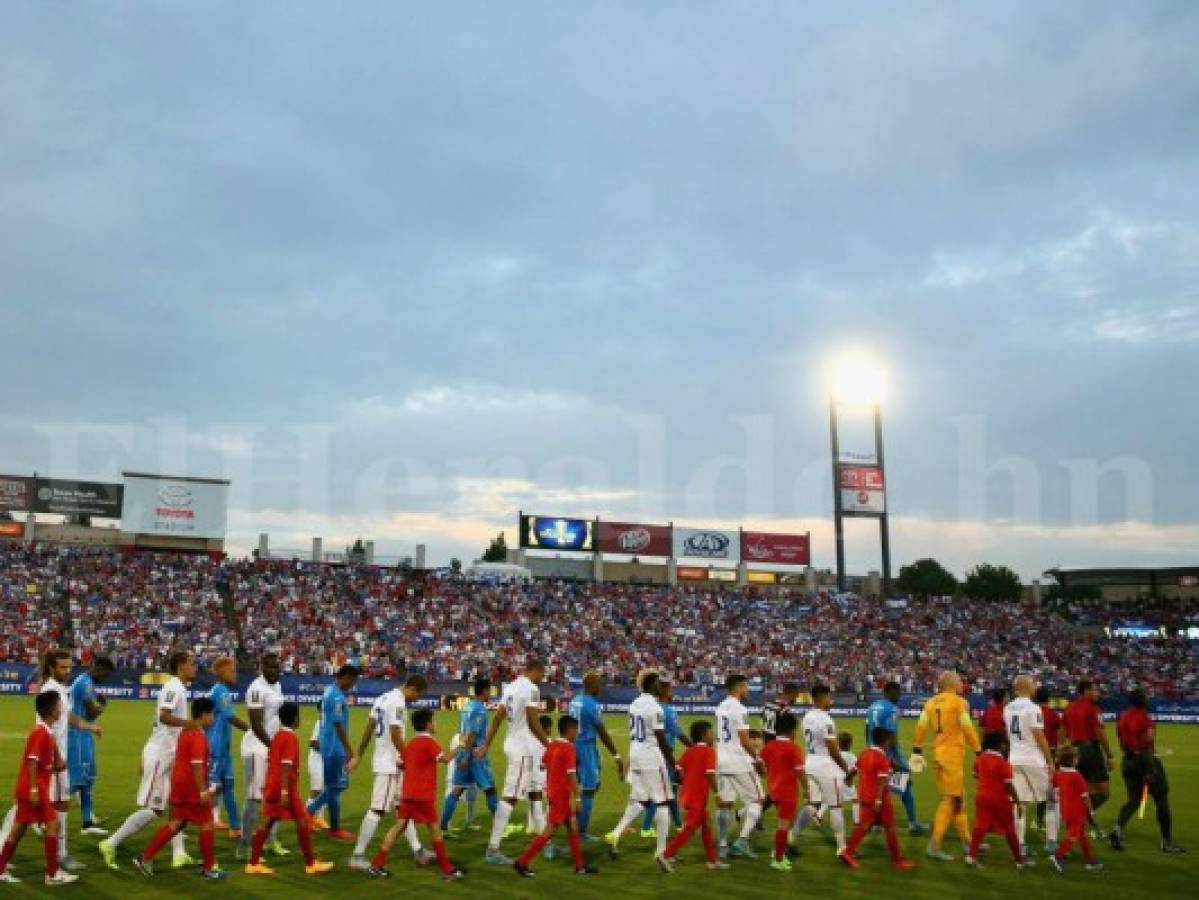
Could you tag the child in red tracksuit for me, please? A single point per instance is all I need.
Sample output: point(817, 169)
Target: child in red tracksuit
point(191, 801)
point(562, 789)
point(697, 766)
point(994, 808)
point(418, 797)
point(784, 763)
point(874, 801)
point(39, 762)
point(282, 799)
point(1074, 802)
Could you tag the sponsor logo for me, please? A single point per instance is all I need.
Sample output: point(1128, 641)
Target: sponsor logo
point(561, 533)
point(758, 551)
point(706, 545)
point(11, 490)
point(175, 495)
point(45, 494)
point(634, 540)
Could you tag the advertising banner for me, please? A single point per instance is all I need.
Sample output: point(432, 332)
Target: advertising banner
point(855, 436)
point(177, 507)
point(761, 577)
point(692, 573)
point(722, 575)
point(706, 543)
point(90, 498)
point(555, 533)
point(16, 493)
point(779, 549)
point(862, 489)
point(638, 540)
point(10, 531)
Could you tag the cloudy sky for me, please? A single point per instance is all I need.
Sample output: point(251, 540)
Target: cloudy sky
point(402, 271)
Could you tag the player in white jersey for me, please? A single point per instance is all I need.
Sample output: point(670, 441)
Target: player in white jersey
point(849, 793)
point(264, 696)
point(316, 774)
point(390, 732)
point(520, 705)
point(826, 770)
point(56, 671)
point(158, 760)
point(1031, 759)
point(650, 765)
point(737, 769)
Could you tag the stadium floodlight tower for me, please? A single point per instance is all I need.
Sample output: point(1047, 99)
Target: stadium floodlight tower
point(858, 386)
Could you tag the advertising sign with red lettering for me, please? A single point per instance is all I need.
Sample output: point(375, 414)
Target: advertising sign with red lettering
point(862, 489)
point(634, 539)
point(776, 549)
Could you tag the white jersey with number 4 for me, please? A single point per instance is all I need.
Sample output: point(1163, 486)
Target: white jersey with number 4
point(387, 710)
point(645, 718)
point(172, 698)
point(519, 697)
point(1021, 716)
point(818, 729)
point(732, 718)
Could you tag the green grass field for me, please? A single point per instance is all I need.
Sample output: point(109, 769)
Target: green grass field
point(1141, 871)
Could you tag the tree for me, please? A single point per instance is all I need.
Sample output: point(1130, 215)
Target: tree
point(926, 578)
point(994, 583)
point(456, 566)
point(497, 550)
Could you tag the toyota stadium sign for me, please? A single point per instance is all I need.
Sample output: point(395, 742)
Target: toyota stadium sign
point(776, 549)
point(706, 543)
point(633, 539)
point(176, 507)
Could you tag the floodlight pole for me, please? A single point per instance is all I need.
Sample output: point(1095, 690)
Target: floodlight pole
point(838, 526)
point(884, 531)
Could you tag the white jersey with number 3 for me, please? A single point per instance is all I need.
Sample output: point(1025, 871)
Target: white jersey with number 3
point(818, 729)
point(520, 696)
point(387, 710)
point(172, 698)
point(645, 718)
point(732, 718)
point(1021, 716)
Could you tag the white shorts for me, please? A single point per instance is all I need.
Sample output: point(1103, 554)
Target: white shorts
point(154, 790)
point(743, 786)
point(60, 787)
point(254, 763)
point(650, 783)
point(385, 793)
point(826, 789)
point(1031, 783)
point(519, 778)
point(316, 772)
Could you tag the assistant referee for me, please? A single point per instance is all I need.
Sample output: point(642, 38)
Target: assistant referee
point(1142, 768)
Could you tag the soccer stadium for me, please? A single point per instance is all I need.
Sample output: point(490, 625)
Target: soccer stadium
point(646, 450)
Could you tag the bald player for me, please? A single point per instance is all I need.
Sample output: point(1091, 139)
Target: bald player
point(948, 715)
point(1031, 759)
point(587, 710)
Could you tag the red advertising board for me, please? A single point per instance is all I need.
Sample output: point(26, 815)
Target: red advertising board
point(692, 573)
point(634, 539)
point(779, 549)
point(16, 493)
point(862, 478)
point(12, 530)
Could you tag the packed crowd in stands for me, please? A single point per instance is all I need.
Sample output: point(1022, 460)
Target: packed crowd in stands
point(136, 607)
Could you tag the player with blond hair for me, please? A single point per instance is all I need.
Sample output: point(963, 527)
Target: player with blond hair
point(948, 715)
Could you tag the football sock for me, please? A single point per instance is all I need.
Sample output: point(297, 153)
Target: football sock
point(229, 797)
point(257, 844)
point(780, 843)
point(50, 845)
point(62, 835)
point(941, 820)
point(366, 831)
point(249, 820)
point(576, 850)
point(412, 838)
point(178, 847)
point(723, 814)
point(447, 811)
point(208, 849)
point(304, 833)
point(1021, 822)
point(160, 839)
point(137, 820)
point(9, 818)
point(909, 803)
point(86, 811)
point(443, 858)
point(631, 812)
point(537, 813)
point(503, 812)
point(585, 805)
point(753, 812)
point(647, 821)
point(334, 810)
point(837, 818)
point(493, 801)
point(962, 823)
point(662, 822)
point(535, 847)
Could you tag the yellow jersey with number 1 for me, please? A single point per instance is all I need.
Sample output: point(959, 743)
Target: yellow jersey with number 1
point(948, 715)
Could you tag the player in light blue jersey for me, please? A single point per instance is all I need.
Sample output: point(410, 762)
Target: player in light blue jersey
point(221, 775)
point(585, 707)
point(471, 769)
point(81, 745)
point(337, 756)
point(884, 713)
point(670, 721)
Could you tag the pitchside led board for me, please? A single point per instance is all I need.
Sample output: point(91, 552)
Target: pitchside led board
point(177, 507)
point(556, 533)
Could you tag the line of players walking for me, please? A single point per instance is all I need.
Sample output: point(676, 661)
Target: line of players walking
point(187, 772)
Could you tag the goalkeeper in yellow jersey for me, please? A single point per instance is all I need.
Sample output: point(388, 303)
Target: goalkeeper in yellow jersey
point(948, 715)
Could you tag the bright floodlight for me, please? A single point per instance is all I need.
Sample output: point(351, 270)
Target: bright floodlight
point(857, 379)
